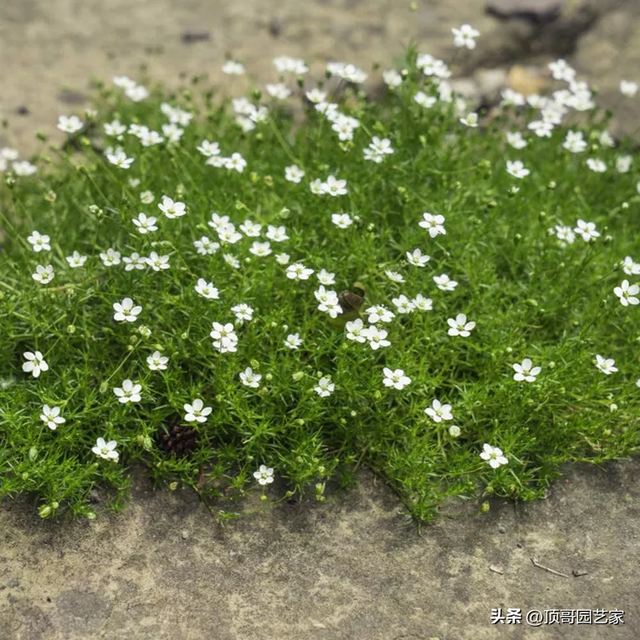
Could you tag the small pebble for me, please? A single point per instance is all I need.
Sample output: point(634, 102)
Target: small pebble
point(185, 535)
point(501, 529)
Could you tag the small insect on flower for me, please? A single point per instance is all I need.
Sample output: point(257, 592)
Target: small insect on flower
point(438, 411)
point(434, 224)
point(525, 371)
point(75, 260)
point(263, 475)
point(125, 311)
point(206, 289)
point(43, 275)
point(106, 450)
point(606, 365)
point(627, 293)
point(129, 392)
point(493, 455)
point(51, 417)
point(324, 387)
point(157, 362)
point(395, 378)
point(39, 242)
point(196, 412)
point(460, 326)
point(172, 209)
point(249, 378)
point(517, 169)
point(35, 363)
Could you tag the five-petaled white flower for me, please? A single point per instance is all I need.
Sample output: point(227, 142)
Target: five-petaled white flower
point(156, 262)
point(335, 187)
point(39, 242)
point(525, 371)
point(145, 224)
point(206, 289)
point(627, 293)
point(263, 475)
point(465, 36)
point(606, 365)
point(517, 169)
point(129, 392)
point(249, 378)
point(324, 387)
point(119, 159)
point(35, 363)
point(470, 120)
point(51, 417)
point(293, 341)
point(395, 378)
point(172, 209)
point(75, 260)
point(157, 362)
point(459, 326)
point(587, 230)
point(106, 450)
point(43, 275)
point(379, 313)
point(70, 124)
point(417, 258)
point(596, 165)
point(356, 330)
point(196, 412)
point(493, 455)
point(224, 337)
point(434, 223)
point(125, 311)
point(293, 173)
point(298, 271)
point(377, 337)
point(444, 282)
point(438, 411)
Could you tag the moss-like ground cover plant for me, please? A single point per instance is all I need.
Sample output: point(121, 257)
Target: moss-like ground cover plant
point(300, 282)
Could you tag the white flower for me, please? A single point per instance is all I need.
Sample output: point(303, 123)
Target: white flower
point(417, 259)
point(249, 378)
point(114, 128)
point(525, 371)
point(237, 162)
point(454, 431)
point(293, 341)
point(278, 91)
point(470, 120)
point(403, 304)
point(379, 313)
point(575, 142)
point(396, 378)
point(206, 289)
point(422, 304)
point(134, 261)
point(260, 249)
point(136, 93)
point(606, 139)
point(493, 455)
point(424, 100)
point(224, 337)
point(209, 149)
point(541, 128)
point(328, 301)
point(76, 260)
point(465, 36)
point(394, 276)
point(156, 262)
point(438, 411)
point(35, 363)
point(434, 223)
point(263, 475)
point(377, 337)
point(110, 258)
point(39, 242)
point(517, 169)
point(24, 168)
point(129, 392)
point(460, 326)
point(596, 165)
point(563, 233)
point(287, 64)
point(277, 234)
point(242, 312)
point(325, 277)
point(392, 78)
point(43, 275)
point(324, 387)
point(515, 139)
point(628, 88)
point(347, 71)
point(293, 173)
point(119, 159)
point(106, 450)
point(587, 230)
point(227, 234)
point(627, 293)
point(630, 267)
point(196, 412)
point(356, 331)
point(172, 209)
point(143, 330)
point(283, 258)
point(70, 124)
point(231, 260)
point(206, 246)
point(233, 68)
point(316, 95)
point(341, 220)
point(317, 187)
point(335, 187)
point(157, 362)
point(51, 417)
point(623, 164)
point(606, 365)
point(298, 271)
point(561, 70)
point(444, 282)
point(125, 311)
point(145, 224)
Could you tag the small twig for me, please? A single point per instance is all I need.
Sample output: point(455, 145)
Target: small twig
point(541, 566)
point(496, 569)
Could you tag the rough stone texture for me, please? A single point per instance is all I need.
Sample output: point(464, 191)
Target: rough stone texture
point(353, 568)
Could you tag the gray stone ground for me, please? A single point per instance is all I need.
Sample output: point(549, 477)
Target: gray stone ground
point(353, 568)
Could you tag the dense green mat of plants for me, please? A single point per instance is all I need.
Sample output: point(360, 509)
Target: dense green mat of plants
point(312, 281)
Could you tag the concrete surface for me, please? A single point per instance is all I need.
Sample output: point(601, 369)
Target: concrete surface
point(353, 568)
